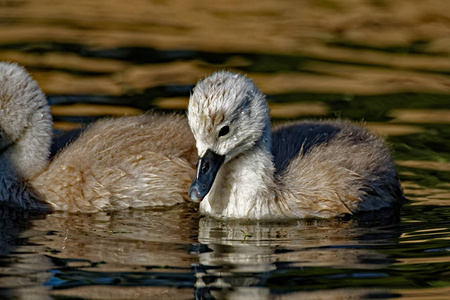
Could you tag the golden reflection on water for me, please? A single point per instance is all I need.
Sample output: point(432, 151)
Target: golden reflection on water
point(296, 110)
point(422, 195)
point(423, 236)
point(390, 129)
point(434, 293)
point(138, 78)
point(341, 47)
point(433, 116)
point(311, 29)
point(428, 165)
point(94, 110)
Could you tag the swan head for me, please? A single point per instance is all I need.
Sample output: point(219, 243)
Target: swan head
point(227, 115)
point(25, 121)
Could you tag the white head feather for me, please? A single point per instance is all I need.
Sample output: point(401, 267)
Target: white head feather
point(227, 99)
point(25, 121)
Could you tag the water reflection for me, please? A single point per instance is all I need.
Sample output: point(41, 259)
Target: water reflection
point(81, 254)
point(123, 239)
point(174, 253)
point(258, 255)
point(382, 62)
point(19, 266)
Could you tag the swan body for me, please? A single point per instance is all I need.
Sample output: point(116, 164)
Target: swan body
point(310, 169)
point(139, 161)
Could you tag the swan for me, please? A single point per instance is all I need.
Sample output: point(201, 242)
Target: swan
point(117, 163)
point(309, 169)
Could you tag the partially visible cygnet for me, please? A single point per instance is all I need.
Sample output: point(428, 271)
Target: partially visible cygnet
point(141, 161)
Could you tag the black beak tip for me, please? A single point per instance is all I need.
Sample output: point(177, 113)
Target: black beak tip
point(194, 194)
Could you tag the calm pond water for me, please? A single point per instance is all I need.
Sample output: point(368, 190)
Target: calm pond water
point(386, 63)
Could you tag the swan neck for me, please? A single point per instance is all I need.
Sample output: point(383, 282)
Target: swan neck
point(244, 186)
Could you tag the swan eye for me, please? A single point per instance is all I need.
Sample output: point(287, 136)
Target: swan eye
point(224, 130)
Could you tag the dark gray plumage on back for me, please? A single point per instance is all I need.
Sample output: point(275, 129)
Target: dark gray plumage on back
point(341, 144)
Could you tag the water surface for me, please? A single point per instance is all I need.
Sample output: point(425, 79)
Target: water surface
point(382, 63)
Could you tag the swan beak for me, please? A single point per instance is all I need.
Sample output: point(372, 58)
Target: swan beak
point(207, 167)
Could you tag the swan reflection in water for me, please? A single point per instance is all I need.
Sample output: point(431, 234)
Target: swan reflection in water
point(244, 259)
point(173, 253)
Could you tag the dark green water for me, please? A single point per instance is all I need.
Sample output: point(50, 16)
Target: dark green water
point(148, 55)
